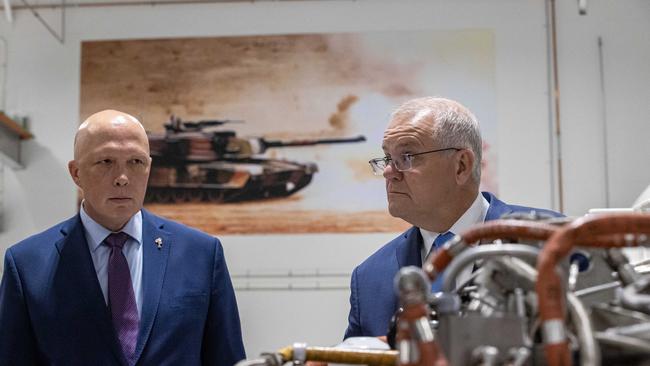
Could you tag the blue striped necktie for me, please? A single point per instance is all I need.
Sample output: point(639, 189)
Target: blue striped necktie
point(436, 286)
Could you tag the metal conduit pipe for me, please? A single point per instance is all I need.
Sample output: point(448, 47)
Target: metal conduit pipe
point(589, 349)
point(413, 329)
point(255, 362)
point(483, 252)
point(619, 230)
point(623, 341)
point(436, 263)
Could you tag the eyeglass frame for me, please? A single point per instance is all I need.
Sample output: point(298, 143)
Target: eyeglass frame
point(407, 157)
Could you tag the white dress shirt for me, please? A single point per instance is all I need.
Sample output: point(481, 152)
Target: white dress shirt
point(475, 214)
point(95, 235)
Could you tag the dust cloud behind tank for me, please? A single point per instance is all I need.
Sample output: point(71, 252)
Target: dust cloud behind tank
point(201, 161)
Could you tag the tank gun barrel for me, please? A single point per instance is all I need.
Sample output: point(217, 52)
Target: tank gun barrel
point(309, 142)
point(210, 123)
point(175, 124)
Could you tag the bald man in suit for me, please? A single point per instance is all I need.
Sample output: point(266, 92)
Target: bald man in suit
point(115, 284)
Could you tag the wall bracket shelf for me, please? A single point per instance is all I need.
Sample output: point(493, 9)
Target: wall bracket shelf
point(11, 135)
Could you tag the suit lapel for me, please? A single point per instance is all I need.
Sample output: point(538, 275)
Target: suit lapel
point(407, 253)
point(497, 207)
point(153, 273)
point(408, 250)
point(80, 279)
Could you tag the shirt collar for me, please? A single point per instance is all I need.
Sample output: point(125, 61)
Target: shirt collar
point(475, 214)
point(96, 233)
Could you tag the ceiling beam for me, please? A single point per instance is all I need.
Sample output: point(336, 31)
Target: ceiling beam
point(92, 4)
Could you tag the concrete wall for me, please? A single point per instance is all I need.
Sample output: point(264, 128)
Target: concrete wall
point(43, 82)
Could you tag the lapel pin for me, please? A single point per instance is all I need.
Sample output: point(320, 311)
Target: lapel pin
point(158, 242)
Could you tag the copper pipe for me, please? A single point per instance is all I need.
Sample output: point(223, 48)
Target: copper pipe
point(415, 339)
point(428, 348)
point(606, 231)
point(403, 343)
point(428, 353)
point(556, 101)
point(500, 229)
point(491, 230)
point(345, 356)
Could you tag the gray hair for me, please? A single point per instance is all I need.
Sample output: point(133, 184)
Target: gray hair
point(454, 125)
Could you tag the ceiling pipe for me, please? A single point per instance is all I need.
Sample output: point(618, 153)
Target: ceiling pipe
point(81, 4)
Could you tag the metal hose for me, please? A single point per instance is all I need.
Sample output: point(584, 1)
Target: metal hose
point(589, 349)
point(607, 231)
point(471, 255)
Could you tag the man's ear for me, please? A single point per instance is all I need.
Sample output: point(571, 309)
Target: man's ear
point(73, 168)
point(464, 165)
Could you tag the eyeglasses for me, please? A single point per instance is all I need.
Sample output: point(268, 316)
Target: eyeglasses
point(402, 162)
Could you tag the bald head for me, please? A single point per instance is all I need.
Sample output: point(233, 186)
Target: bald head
point(111, 166)
point(104, 124)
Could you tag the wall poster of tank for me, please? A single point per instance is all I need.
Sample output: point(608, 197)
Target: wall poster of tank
point(273, 133)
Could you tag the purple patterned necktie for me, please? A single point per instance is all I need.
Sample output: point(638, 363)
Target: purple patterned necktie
point(121, 298)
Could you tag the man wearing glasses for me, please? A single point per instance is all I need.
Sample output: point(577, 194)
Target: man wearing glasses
point(432, 167)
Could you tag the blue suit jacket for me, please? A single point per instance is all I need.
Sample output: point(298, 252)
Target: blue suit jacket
point(52, 311)
point(372, 298)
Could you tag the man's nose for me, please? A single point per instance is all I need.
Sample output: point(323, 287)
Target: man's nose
point(121, 180)
point(391, 173)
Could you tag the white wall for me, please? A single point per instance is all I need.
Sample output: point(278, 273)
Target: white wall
point(43, 82)
point(624, 27)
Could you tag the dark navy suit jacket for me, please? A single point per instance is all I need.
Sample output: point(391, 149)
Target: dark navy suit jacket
point(372, 298)
point(52, 311)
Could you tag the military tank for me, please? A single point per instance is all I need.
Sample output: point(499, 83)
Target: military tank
point(200, 161)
